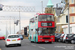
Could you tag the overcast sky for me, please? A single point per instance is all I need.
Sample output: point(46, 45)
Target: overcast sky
point(25, 16)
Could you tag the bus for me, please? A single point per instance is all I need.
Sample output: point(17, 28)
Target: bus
point(42, 28)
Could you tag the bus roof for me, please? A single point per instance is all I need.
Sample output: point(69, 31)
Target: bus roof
point(44, 14)
point(41, 14)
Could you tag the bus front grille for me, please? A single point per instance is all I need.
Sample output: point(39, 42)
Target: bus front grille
point(46, 37)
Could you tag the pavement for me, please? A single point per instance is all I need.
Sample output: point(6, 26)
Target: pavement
point(27, 45)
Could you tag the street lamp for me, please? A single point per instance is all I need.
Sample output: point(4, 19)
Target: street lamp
point(42, 6)
point(68, 19)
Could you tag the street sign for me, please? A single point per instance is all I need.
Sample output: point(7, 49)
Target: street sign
point(1, 6)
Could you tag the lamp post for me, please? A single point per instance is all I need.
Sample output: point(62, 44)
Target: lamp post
point(10, 24)
point(68, 19)
point(42, 6)
point(19, 21)
point(6, 29)
point(14, 25)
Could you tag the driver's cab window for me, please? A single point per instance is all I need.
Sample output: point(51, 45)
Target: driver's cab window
point(32, 20)
point(36, 18)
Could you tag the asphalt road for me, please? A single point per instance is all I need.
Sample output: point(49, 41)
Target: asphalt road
point(26, 45)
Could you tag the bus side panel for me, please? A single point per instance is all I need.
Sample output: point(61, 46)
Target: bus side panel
point(36, 31)
point(36, 37)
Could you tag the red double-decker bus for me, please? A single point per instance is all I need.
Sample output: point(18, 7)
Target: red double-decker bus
point(42, 28)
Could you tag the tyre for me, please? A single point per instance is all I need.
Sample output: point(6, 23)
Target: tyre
point(72, 41)
point(19, 44)
point(6, 45)
point(59, 40)
point(66, 41)
point(63, 41)
point(21, 39)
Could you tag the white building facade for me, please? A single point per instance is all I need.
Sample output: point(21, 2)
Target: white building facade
point(72, 28)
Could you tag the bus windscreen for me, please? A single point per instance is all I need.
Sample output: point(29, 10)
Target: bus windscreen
point(46, 31)
point(46, 18)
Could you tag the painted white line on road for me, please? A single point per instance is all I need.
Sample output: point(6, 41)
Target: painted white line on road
point(41, 47)
point(34, 45)
point(70, 44)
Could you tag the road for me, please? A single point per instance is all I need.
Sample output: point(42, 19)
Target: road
point(26, 45)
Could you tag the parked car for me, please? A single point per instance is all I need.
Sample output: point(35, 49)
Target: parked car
point(2, 38)
point(21, 37)
point(70, 39)
point(64, 36)
point(61, 38)
point(12, 39)
point(57, 37)
point(56, 34)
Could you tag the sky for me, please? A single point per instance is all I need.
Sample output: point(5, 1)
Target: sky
point(25, 16)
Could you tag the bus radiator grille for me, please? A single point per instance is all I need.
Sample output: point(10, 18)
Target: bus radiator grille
point(46, 37)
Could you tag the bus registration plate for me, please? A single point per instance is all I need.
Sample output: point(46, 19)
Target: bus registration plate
point(46, 41)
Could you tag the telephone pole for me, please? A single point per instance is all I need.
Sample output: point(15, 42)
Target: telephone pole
point(19, 22)
point(14, 25)
point(10, 24)
point(68, 19)
point(42, 5)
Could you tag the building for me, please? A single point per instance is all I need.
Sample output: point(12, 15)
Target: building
point(57, 15)
point(56, 11)
point(61, 12)
point(62, 20)
point(26, 30)
point(72, 18)
point(49, 8)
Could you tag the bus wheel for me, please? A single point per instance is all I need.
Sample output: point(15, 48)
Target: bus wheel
point(30, 40)
point(51, 42)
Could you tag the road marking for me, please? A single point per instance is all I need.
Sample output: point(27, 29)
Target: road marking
point(34, 45)
point(41, 47)
point(70, 44)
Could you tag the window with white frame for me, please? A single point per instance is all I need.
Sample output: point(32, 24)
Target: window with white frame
point(72, 9)
point(72, 1)
point(72, 19)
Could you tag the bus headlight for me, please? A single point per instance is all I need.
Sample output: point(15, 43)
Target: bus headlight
point(51, 38)
point(40, 38)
